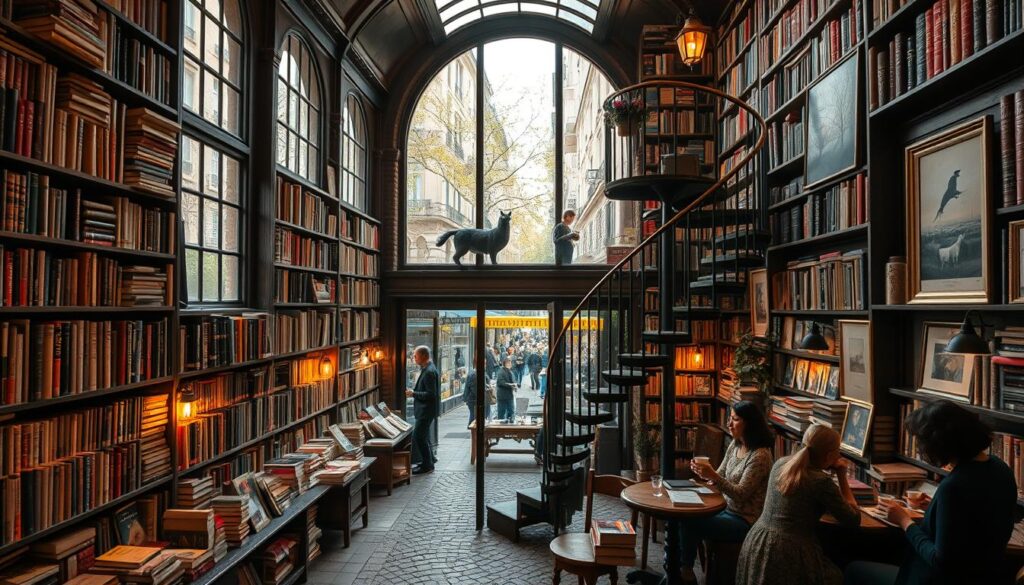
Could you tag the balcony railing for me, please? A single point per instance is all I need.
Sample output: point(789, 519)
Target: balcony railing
point(429, 208)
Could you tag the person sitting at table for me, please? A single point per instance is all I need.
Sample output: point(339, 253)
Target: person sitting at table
point(742, 478)
point(782, 547)
point(963, 535)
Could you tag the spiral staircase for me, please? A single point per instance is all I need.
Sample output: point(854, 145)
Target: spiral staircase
point(709, 231)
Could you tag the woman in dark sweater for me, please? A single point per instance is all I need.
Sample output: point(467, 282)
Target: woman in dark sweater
point(962, 538)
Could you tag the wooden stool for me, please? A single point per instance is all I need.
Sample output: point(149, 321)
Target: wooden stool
point(574, 554)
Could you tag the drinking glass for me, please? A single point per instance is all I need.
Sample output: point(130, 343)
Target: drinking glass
point(656, 483)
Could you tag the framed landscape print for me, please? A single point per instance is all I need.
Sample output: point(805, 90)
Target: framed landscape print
point(945, 374)
point(759, 302)
point(832, 123)
point(855, 363)
point(949, 206)
point(1016, 259)
point(856, 427)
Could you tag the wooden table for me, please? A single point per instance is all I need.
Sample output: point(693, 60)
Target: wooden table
point(386, 451)
point(640, 497)
point(349, 502)
point(867, 522)
point(495, 431)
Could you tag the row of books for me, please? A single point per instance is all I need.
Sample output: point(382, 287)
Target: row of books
point(679, 121)
point(44, 360)
point(305, 208)
point(811, 376)
point(785, 139)
point(656, 154)
point(358, 380)
point(841, 206)
point(736, 126)
point(40, 278)
point(1010, 449)
point(685, 412)
point(358, 262)
point(221, 340)
point(948, 32)
point(839, 37)
point(357, 229)
point(792, 25)
point(136, 62)
point(299, 401)
point(696, 357)
point(789, 81)
point(296, 249)
point(685, 385)
point(302, 330)
point(359, 324)
point(829, 282)
point(733, 328)
point(293, 286)
point(668, 63)
point(356, 291)
point(742, 76)
point(1011, 147)
point(738, 37)
point(151, 15)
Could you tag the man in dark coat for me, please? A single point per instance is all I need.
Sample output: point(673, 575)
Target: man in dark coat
point(506, 391)
point(426, 405)
point(469, 397)
point(563, 237)
point(490, 362)
point(533, 363)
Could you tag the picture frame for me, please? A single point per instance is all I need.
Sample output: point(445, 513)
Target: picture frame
point(856, 367)
point(800, 375)
point(787, 378)
point(856, 427)
point(832, 129)
point(1015, 277)
point(948, 375)
point(949, 211)
point(832, 384)
point(759, 307)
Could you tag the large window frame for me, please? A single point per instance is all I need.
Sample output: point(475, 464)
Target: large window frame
point(302, 128)
point(478, 261)
point(214, 135)
point(355, 140)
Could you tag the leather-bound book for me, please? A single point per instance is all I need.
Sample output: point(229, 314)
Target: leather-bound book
point(1006, 150)
point(993, 21)
point(966, 28)
point(921, 50)
point(1018, 135)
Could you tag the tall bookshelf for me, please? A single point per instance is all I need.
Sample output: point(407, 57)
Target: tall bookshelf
point(93, 232)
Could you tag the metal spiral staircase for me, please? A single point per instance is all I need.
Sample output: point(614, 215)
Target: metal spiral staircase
point(708, 232)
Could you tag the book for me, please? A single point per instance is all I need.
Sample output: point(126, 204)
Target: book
point(684, 498)
point(613, 533)
point(126, 557)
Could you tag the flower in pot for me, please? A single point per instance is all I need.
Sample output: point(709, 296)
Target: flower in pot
point(625, 113)
point(646, 448)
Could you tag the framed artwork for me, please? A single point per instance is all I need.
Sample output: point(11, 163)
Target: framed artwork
point(245, 485)
point(855, 363)
point(945, 374)
point(787, 379)
point(833, 118)
point(949, 206)
point(759, 302)
point(832, 385)
point(1016, 259)
point(856, 427)
point(800, 377)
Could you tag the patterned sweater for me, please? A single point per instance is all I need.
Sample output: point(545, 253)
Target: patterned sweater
point(745, 481)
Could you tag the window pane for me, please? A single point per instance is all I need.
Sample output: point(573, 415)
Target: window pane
point(192, 274)
point(230, 223)
point(211, 278)
point(189, 163)
point(231, 180)
point(211, 224)
point(314, 127)
point(191, 32)
point(297, 105)
point(211, 171)
point(282, 145)
point(190, 81)
point(231, 110)
point(232, 17)
point(230, 278)
point(211, 44)
point(519, 148)
point(211, 97)
point(190, 214)
point(233, 61)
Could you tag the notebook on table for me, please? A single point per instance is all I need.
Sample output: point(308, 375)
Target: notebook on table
point(685, 498)
point(679, 484)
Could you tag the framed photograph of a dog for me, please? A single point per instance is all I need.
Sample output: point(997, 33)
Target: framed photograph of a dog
point(949, 210)
point(855, 365)
point(948, 375)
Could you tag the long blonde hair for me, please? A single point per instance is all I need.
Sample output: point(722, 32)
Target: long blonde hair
point(819, 443)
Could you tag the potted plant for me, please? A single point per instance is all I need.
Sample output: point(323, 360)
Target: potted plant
point(752, 362)
point(646, 448)
point(625, 113)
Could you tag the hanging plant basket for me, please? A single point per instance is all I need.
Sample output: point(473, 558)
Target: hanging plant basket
point(625, 126)
point(625, 113)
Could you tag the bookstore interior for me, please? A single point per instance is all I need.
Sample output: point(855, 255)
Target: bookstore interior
point(432, 276)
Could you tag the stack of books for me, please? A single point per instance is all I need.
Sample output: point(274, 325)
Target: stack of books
point(313, 533)
point(325, 449)
point(141, 564)
point(310, 463)
point(895, 478)
point(31, 573)
point(189, 528)
point(279, 559)
point(195, 493)
point(289, 471)
point(234, 511)
point(71, 25)
point(276, 492)
point(614, 542)
point(150, 149)
point(144, 286)
point(220, 540)
point(72, 552)
point(337, 472)
point(195, 561)
point(862, 492)
point(92, 579)
point(97, 223)
point(792, 412)
point(350, 438)
point(156, 454)
point(829, 413)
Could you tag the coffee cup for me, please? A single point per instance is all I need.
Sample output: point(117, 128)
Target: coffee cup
point(702, 460)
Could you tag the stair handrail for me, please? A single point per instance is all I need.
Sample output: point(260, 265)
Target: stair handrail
point(670, 224)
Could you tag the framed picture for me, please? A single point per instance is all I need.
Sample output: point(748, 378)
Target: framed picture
point(787, 379)
point(855, 364)
point(759, 302)
point(949, 206)
point(245, 485)
point(856, 427)
point(832, 386)
point(800, 377)
point(1016, 258)
point(833, 118)
point(945, 374)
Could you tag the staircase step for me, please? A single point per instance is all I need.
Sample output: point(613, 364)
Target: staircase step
point(574, 440)
point(745, 240)
point(503, 518)
point(732, 260)
point(676, 189)
point(589, 420)
point(570, 458)
point(626, 377)
point(606, 397)
point(531, 497)
point(643, 359)
point(667, 337)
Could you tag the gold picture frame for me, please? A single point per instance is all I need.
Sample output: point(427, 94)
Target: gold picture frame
point(856, 363)
point(759, 304)
point(1015, 258)
point(856, 427)
point(948, 256)
point(948, 375)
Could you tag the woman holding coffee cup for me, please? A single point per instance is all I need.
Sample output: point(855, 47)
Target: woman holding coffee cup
point(962, 537)
point(741, 477)
point(782, 547)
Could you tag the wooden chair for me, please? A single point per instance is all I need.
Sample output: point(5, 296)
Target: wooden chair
point(574, 552)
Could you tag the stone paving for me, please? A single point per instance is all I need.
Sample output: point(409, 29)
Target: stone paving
point(426, 532)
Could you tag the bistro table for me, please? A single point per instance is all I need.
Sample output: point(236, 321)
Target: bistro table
point(494, 431)
point(640, 497)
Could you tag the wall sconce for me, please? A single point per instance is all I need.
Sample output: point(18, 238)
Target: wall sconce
point(186, 406)
point(326, 367)
point(698, 356)
point(365, 359)
point(378, 355)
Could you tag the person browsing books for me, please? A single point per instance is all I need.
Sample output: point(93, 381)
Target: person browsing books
point(782, 547)
point(426, 396)
point(963, 535)
point(742, 478)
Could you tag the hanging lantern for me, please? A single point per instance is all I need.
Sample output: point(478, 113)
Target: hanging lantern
point(692, 39)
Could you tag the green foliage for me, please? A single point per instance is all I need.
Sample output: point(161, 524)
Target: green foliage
point(646, 441)
point(752, 362)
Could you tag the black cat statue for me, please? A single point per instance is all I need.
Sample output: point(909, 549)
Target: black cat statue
point(488, 242)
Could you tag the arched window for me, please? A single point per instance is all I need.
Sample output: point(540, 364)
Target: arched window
point(298, 110)
point(213, 198)
point(353, 154)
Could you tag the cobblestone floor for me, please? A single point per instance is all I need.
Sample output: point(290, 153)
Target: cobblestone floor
point(426, 532)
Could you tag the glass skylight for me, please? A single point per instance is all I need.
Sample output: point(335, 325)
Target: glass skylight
point(456, 14)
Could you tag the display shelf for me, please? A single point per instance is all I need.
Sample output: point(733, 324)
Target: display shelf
point(306, 269)
point(949, 308)
point(1011, 210)
point(347, 242)
point(808, 355)
point(917, 462)
point(356, 275)
point(74, 309)
point(985, 412)
point(191, 374)
point(74, 245)
point(149, 37)
point(305, 231)
point(793, 165)
point(819, 312)
point(61, 401)
point(850, 233)
point(359, 394)
point(358, 341)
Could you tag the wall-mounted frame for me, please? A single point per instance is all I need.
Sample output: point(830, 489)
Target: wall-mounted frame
point(759, 302)
point(948, 375)
point(1015, 294)
point(949, 210)
point(855, 366)
point(856, 427)
point(833, 122)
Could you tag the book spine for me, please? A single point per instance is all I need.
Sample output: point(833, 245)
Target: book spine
point(1018, 134)
point(920, 42)
point(978, 22)
point(967, 28)
point(1007, 143)
point(993, 21)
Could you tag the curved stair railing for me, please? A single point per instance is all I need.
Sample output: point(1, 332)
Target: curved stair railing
point(625, 332)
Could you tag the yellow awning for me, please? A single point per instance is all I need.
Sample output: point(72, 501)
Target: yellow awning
point(514, 322)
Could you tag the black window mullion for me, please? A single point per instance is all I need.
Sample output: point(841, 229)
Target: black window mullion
point(480, 146)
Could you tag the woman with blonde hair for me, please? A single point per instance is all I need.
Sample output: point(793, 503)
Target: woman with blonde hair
point(782, 546)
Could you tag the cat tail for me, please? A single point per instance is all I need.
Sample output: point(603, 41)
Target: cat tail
point(444, 237)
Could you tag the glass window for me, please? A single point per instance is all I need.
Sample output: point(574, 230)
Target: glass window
point(212, 84)
point(212, 214)
point(298, 110)
point(353, 154)
point(455, 14)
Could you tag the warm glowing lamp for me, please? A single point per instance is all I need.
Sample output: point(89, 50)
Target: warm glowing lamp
point(692, 39)
point(185, 406)
point(698, 356)
point(365, 360)
point(378, 355)
point(326, 367)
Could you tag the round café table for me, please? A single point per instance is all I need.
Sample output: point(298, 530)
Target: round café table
point(640, 497)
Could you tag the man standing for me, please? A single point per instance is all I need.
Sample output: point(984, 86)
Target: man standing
point(506, 391)
point(469, 397)
point(564, 238)
point(533, 363)
point(490, 362)
point(426, 397)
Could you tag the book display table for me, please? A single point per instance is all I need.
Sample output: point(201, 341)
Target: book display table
point(349, 502)
point(392, 465)
point(495, 431)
